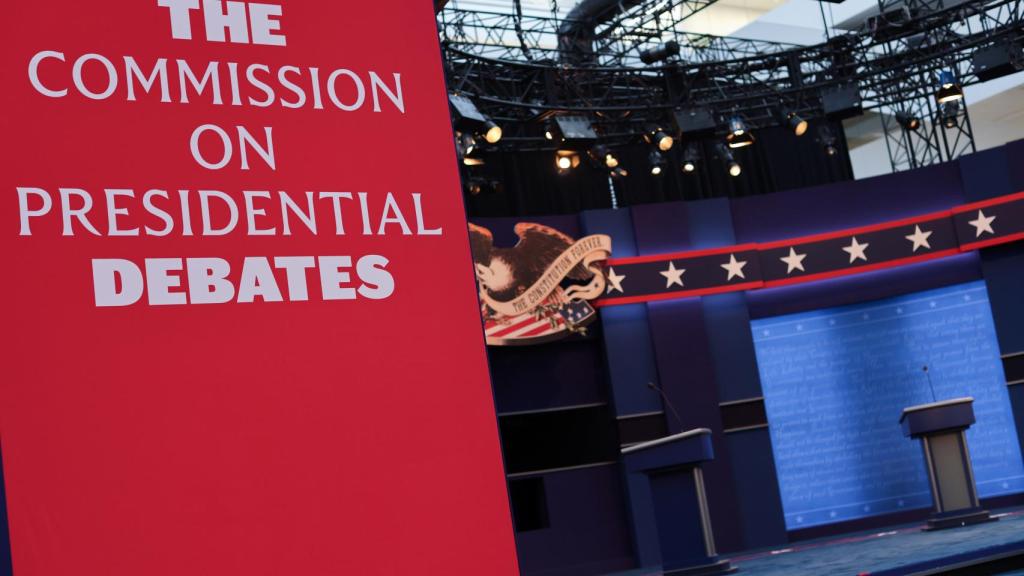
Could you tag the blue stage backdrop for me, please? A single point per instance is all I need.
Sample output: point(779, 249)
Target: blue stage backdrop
point(836, 380)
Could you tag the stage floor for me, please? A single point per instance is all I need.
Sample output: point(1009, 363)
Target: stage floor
point(902, 550)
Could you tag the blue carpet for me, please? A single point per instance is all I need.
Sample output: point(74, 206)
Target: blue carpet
point(899, 551)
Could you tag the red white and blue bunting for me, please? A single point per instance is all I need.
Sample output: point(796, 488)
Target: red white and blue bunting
point(806, 259)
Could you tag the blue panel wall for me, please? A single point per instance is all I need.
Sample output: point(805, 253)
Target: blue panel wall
point(987, 174)
point(836, 381)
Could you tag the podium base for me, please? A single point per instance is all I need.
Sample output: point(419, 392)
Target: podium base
point(720, 567)
point(954, 520)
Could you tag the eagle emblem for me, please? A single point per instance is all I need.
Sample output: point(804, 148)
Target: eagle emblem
point(538, 290)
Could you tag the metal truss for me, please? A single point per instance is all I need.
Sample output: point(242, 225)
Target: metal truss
point(520, 70)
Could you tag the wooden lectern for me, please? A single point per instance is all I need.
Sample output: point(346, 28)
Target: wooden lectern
point(940, 427)
point(672, 467)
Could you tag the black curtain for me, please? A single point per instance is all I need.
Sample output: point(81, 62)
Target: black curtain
point(529, 183)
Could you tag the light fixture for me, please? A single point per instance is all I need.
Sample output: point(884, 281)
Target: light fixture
point(949, 89)
point(660, 53)
point(566, 160)
point(619, 173)
point(549, 131)
point(828, 140)
point(602, 156)
point(492, 132)
point(468, 143)
point(657, 162)
point(468, 118)
point(949, 114)
point(739, 136)
point(907, 120)
point(797, 123)
point(659, 138)
point(731, 164)
point(690, 158)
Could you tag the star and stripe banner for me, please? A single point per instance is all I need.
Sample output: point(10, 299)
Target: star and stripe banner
point(806, 259)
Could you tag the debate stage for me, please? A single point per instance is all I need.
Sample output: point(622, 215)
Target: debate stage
point(991, 548)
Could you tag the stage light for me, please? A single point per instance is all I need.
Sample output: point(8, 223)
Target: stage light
point(730, 161)
point(493, 132)
point(659, 138)
point(468, 144)
point(908, 121)
point(949, 89)
point(949, 114)
point(660, 53)
point(828, 140)
point(619, 173)
point(549, 131)
point(739, 136)
point(566, 160)
point(602, 156)
point(657, 161)
point(468, 118)
point(798, 124)
point(690, 158)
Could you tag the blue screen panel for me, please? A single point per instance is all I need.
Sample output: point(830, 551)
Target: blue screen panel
point(836, 380)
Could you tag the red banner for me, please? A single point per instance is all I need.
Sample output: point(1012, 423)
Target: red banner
point(235, 339)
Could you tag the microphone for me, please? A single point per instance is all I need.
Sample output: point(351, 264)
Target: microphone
point(930, 385)
point(667, 402)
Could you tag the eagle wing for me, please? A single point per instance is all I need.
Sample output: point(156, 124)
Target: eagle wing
point(541, 245)
point(481, 242)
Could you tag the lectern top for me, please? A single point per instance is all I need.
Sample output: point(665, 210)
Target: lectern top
point(666, 440)
point(933, 405)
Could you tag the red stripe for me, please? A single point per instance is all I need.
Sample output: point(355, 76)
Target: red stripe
point(540, 330)
point(854, 231)
point(991, 242)
point(517, 326)
point(683, 255)
point(990, 202)
point(860, 269)
point(676, 295)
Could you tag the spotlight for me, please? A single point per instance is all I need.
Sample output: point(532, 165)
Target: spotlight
point(907, 120)
point(566, 160)
point(549, 131)
point(690, 158)
point(730, 162)
point(492, 132)
point(949, 89)
point(619, 173)
point(739, 136)
point(660, 53)
point(657, 161)
point(468, 144)
point(659, 138)
point(602, 156)
point(949, 114)
point(468, 118)
point(828, 140)
point(798, 124)
point(477, 185)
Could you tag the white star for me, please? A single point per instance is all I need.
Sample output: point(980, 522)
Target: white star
point(920, 238)
point(734, 268)
point(983, 224)
point(614, 281)
point(856, 251)
point(673, 276)
point(794, 261)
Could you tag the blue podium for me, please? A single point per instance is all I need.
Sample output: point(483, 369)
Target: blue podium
point(672, 467)
point(940, 427)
